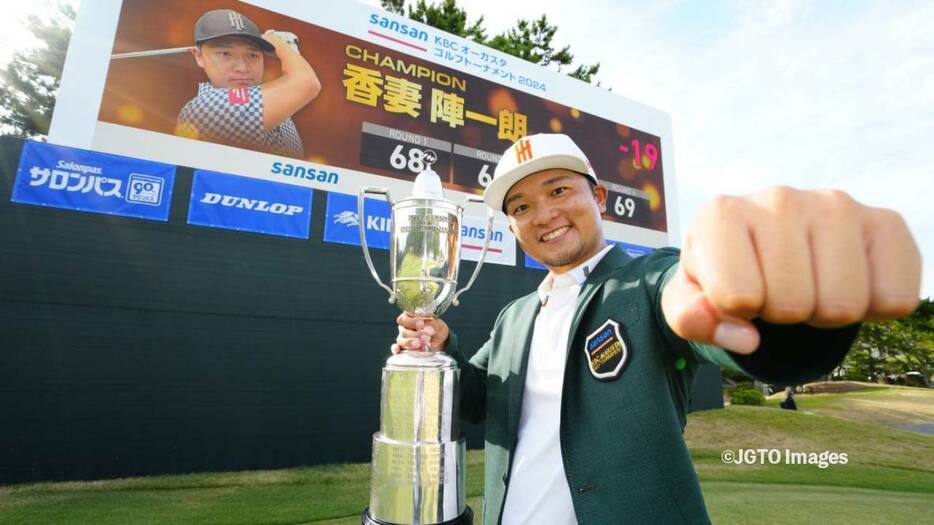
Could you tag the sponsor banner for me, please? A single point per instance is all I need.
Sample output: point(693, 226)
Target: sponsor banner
point(219, 200)
point(76, 179)
point(502, 248)
point(342, 223)
point(342, 227)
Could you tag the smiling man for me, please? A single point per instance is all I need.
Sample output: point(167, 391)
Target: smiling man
point(584, 384)
point(235, 107)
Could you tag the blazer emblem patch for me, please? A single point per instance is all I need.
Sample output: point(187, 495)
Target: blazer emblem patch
point(606, 351)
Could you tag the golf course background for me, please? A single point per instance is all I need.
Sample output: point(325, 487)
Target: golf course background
point(889, 477)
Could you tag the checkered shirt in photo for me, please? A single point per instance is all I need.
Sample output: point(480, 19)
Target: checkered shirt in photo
point(234, 116)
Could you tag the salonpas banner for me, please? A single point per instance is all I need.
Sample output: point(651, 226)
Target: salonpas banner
point(75, 179)
point(391, 92)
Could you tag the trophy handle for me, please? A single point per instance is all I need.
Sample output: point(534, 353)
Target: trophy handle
point(486, 244)
point(361, 222)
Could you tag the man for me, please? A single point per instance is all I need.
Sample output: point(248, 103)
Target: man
point(234, 107)
point(789, 402)
point(584, 384)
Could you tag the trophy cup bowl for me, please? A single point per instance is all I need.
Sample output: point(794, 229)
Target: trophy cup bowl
point(418, 469)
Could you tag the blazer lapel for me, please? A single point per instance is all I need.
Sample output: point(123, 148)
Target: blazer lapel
point(615, 258)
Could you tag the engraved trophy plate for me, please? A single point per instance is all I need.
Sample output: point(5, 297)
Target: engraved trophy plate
point(418, 473)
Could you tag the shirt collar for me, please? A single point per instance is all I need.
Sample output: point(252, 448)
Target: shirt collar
point(204, 86)
point(576, 276)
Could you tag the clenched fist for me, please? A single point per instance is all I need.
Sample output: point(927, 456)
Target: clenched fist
point(790, 256)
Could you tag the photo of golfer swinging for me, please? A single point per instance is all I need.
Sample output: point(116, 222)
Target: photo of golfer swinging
point(235, 107)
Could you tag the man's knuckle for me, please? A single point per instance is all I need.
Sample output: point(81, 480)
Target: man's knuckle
point(840, 313)
point(722, 207)
point(698, 331)
point(788, 312)
point(737, 301)
point(890, 307)
point(839, 198)
point(889, 220)
point(682, 324)
point(783, 199)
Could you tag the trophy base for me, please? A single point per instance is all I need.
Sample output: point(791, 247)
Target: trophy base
point(464, 519)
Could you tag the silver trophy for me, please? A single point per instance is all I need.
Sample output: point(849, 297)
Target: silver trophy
point(418, 454)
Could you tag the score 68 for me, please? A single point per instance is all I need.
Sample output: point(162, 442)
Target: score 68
point(416, 160)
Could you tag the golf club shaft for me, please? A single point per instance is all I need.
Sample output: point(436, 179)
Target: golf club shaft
point(152, 53)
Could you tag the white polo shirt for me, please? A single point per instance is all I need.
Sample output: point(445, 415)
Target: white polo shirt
point(538, 488)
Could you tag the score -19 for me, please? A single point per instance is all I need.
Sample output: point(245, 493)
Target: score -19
point(644, 156)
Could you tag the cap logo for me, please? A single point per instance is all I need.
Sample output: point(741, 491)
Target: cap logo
point(523, 151)
point(236, 20)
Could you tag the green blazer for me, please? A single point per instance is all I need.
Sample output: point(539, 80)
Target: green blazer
point(621, 434)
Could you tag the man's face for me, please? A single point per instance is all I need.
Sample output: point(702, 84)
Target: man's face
point(555, 216)
point(230, 62)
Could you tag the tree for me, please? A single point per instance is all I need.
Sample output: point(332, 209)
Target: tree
point(894, 347)
point(528, 40)
point(447, 17)
point(29, 83)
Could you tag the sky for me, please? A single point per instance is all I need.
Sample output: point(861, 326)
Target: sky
point(809, 94)
point(805, 93)
point(13, 32)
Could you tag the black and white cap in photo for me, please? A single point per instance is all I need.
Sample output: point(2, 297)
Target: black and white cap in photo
point(227, 22)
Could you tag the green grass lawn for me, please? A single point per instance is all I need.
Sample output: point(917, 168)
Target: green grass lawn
point(888, 405)
point(889, 478)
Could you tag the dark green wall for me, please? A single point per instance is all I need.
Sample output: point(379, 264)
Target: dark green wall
point(133, 347)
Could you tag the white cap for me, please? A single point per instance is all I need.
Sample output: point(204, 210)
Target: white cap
point(533, 154)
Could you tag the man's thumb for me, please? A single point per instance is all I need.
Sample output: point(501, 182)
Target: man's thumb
point(690, 315)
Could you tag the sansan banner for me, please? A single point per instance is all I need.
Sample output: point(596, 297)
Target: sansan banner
point(342, 226)
point(371, 94)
